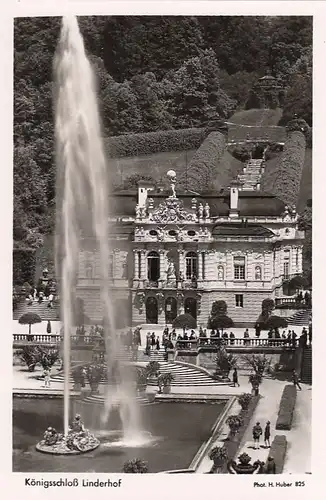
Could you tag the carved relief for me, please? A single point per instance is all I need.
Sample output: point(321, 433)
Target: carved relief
point(172, 211)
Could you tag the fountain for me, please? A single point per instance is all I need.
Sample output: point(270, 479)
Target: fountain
point(83, 213)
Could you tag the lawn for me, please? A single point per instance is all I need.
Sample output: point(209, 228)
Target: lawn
point(261, 117)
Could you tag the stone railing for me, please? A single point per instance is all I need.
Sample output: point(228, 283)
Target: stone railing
point(20, 338)
point(173, 284)
point(237, 342)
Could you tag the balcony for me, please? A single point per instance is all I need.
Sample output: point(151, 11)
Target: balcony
point(203, 342)
point(171, 284)
point(48, 339)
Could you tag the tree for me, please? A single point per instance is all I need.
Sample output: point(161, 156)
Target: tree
point(135, 466)
point(219, 455)
point(184, 321)
point(29, 319)
point(218, 318)
point(274, 322)
point(258, 362)
point(194, 93)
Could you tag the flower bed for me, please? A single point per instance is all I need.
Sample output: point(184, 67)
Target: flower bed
point(278, 452)
point(233, 442)
point(286, 409)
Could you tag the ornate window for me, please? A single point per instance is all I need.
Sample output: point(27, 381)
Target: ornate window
point(153, 266)
point(220, 273)
point(258, 273)
point(191, 265)
point(239, 268)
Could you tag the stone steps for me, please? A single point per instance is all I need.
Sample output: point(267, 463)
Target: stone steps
point(184, 376)
point(300, 318)
point(99, 399)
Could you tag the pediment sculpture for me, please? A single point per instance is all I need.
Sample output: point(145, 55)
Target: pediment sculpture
point(172, 211)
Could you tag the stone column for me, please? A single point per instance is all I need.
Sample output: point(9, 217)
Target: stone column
point(268, 263)
point(143, 265)
point(229, 267)
point(300, 260)
point(249, 268)
point(182, 262)
point(200, 265)
point(136, 264)
point(162, 254)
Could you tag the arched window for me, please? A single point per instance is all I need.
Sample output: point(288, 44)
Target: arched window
point(191, 307)
point(191, 265)
point(220, 273)
point(258, 273)
point(153, 265)
point(151, 310)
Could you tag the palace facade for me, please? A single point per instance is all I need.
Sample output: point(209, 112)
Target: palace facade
point(179, 252)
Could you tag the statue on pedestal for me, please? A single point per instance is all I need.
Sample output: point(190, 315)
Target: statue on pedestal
point(207, 210)
point(170, 273)
point(172, 176)
point(201, 210)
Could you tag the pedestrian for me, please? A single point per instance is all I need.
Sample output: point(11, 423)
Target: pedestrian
point(295, 380)
point(235, 378)
point(293, 337)
point(256, 433)
point(267, 434)
point(232, 337)
point(46, 374)
point(153, 342)
point(158, 343)
point(270, 466)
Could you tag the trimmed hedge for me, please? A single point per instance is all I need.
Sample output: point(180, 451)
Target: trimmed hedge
point(284, 179)
point(155, 142)
point(286, 410)
point(278, 452)
point(203, 168)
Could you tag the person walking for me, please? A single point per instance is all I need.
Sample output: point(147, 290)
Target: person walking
point(153, 342)
point(256, 433)
point(295, 380)
point(235, 378)
point(46, 374)
point(267, 434)
point(158, 347)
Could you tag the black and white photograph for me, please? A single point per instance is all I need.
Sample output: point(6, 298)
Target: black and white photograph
point(162, 244)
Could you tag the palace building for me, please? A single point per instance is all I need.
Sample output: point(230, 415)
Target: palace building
point(175, 252)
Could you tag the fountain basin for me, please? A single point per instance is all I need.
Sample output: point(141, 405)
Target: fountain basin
point(173, 434)
point(62, 449)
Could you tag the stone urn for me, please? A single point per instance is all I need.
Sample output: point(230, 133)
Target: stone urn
point(243, 466)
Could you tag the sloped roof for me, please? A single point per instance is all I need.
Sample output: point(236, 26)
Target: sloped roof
point(251, 203)
point(232, 229)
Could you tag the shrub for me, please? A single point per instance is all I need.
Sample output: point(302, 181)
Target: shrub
point(278, 452)
point(219, 455)
point(267, 306)
point(258, 362)
point(286, 409)
point(234, 422)
point(30, 356)
point(220, 322)
point(274, 322)
point(244, 400)
point(135, 466)
point(184, 321)
point(155, 142)
point(255, 379)
point(242, 153)
point(203, 167)
point(152, 368)
point(166, 379)
point(286, 179)
point(219, 307)
point(224, 362)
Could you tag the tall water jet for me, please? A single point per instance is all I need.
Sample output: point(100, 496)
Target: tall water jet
point(83, 210)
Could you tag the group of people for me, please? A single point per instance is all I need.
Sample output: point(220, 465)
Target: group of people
point(257, 432)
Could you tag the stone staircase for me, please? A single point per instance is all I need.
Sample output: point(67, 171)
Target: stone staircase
point(300, 318)
point(99, 399)
point(251, 174)
point(40, 308)
point(306, 367)
point(184, 376)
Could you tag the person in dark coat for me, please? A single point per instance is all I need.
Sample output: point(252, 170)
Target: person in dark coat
point(270, 466)
point(267, 434)
point(232, 337)
point(295, 380)
point(158, 343)
point(256, 433)
point(153, 340)
point(235, 378)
